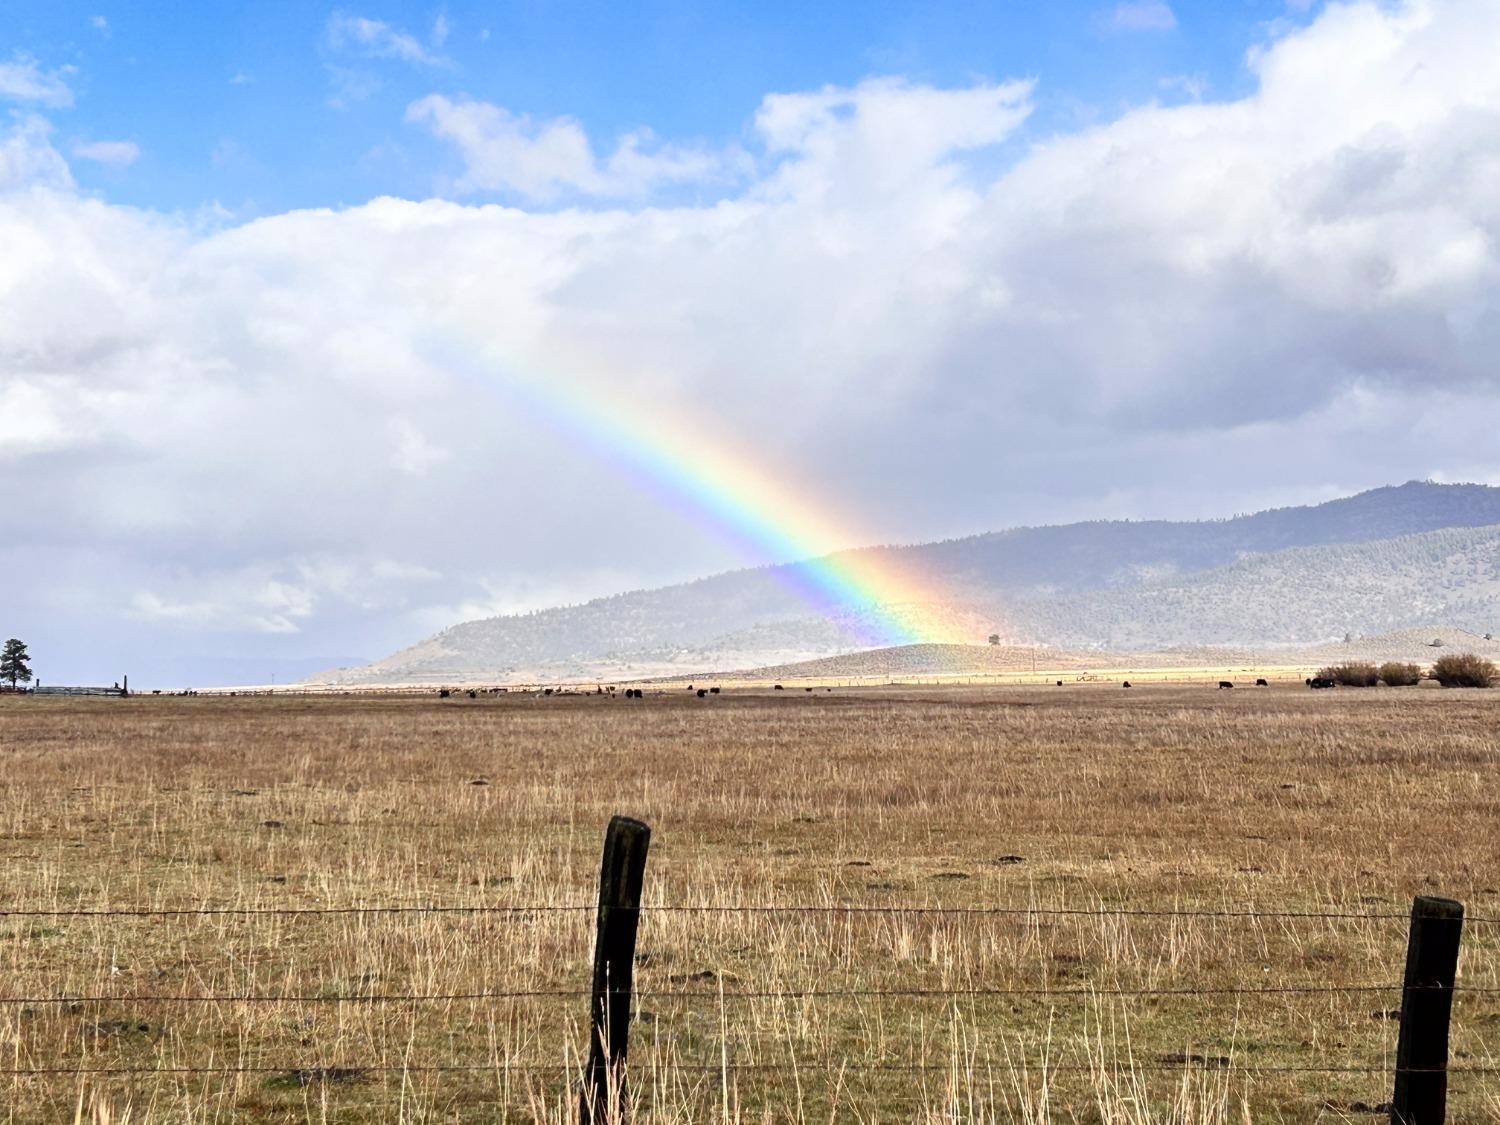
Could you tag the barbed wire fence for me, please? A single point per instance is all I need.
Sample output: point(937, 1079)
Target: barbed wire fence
point(1420, 1075)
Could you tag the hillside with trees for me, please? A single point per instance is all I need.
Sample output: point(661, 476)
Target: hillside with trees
point(1386, 559)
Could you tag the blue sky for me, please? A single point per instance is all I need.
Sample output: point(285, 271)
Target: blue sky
point(265, 107)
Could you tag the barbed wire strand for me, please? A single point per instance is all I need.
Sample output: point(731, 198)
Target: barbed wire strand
point(791, 909)
point(645, 995)
point(319, 1073)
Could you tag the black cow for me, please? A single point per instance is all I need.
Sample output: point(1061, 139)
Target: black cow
point(1262, 683)
point(473, 695)
point(702, 694)
point(778, 687)
point(1225, 684)
point(444, 693)
point(1059, 683)
point(1320, 682)
point(1127, 683)
point(713, 691)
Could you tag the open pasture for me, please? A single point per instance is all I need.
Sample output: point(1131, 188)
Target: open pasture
point(1223, 817)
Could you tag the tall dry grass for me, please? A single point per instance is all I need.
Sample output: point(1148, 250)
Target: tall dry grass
point(1157, 799)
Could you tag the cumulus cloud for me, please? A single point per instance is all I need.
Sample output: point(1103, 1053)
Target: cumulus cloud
point(115, 154)
point(1189, 309)
point(22, 79)
point(540, 160)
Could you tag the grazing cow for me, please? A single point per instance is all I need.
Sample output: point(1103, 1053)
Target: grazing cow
point(1320, 682)
point(807, 689)
point(1262, 683)
point(702, 694)
point(473, 695)
point(690, 687)
point(1059, 683)
point(1225, 684)
point(1127, 683)
point(444, 693)
point(778, 687)
point(713, 691)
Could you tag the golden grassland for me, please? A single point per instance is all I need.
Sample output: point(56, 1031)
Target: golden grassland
point(1087, 797)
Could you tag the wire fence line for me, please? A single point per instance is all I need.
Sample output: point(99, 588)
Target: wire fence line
point(1426, 993)
point(731, 995)
point(815, 1065)
point(831, 1065)
point(509, 909)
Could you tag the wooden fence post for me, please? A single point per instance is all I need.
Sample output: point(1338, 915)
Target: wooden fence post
point(621, 875)
point(1421, 1096)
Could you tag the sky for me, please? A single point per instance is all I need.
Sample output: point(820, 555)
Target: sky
point(322, 328)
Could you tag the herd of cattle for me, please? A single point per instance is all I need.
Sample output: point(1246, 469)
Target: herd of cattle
point(704, 693)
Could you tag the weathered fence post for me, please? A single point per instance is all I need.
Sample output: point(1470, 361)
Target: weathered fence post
point(1421, 1096)
point(621, 874)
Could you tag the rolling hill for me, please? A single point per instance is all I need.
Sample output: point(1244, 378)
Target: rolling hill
point(1390, 558)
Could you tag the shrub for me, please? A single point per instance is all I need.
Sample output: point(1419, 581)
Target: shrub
point(1352, 673)
point(1466, 670)
point(1396, 674)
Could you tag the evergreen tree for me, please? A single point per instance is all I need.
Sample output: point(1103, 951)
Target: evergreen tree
point(13, 666)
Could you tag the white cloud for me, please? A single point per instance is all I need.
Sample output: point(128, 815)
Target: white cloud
point(22, 79)
point(1191, 304)
point(882, 137)
point(99, 24)
point(878, 127)
point(540, 160)
point(1190, 86)
point(116, 154)
point(379, 40)
point(27, 157)
point(31, 421)
point(1142, 15)
point(413, 453)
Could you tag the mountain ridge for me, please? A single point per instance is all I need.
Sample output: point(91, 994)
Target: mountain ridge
point(1028, 583)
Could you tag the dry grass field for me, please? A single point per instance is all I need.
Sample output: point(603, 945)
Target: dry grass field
point(1247, 805)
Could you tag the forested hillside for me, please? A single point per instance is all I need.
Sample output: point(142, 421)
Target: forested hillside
point(1384, 559)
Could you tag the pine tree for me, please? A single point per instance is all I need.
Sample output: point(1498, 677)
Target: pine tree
point(13, 666)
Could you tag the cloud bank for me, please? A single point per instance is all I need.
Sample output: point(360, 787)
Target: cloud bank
point(318, 432)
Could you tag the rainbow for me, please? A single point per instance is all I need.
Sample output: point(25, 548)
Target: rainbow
point(872, 592)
